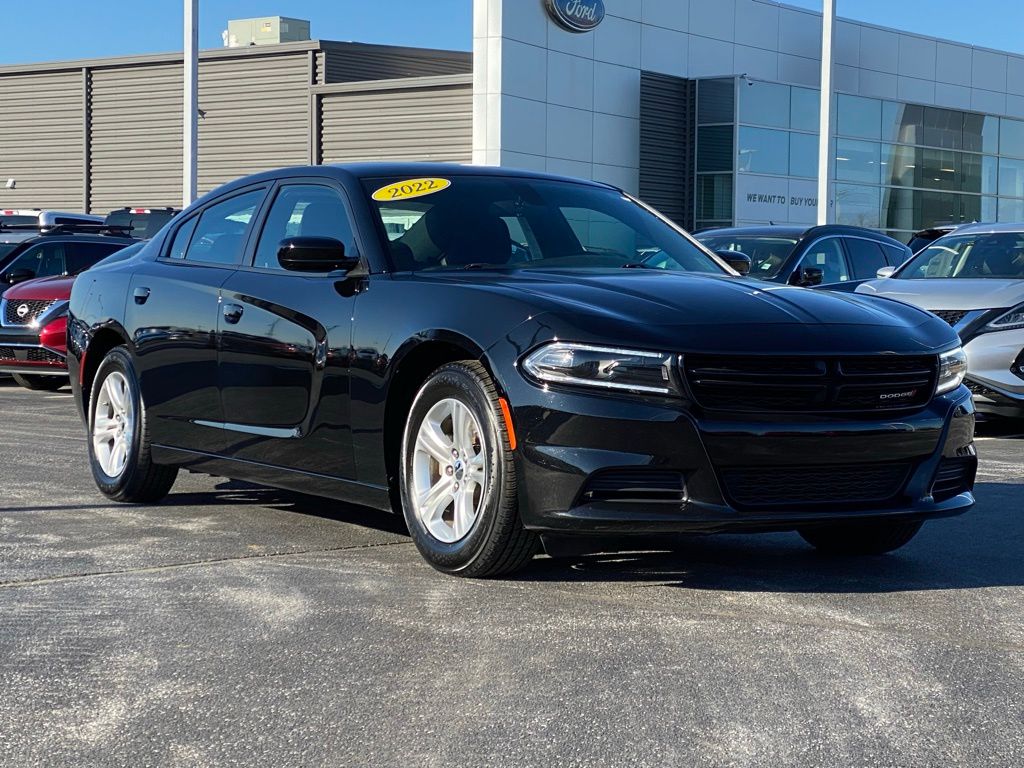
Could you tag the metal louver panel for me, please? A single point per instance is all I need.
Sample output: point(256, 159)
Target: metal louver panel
point(428, 120)
point(352, 62)
point(667, 115)
point(136, 141)
point(41, 140)
point(254, 116)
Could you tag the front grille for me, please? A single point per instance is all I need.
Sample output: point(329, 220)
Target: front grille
point(6, 353)
point(951, 316)
point(793, 486)
point(636, 485)
point(34, 308)
point(818, 384)
point(954, 476)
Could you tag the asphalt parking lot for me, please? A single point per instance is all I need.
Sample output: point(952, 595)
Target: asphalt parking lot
point(238, 625)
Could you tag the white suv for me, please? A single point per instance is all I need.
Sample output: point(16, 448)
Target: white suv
point(973, 278)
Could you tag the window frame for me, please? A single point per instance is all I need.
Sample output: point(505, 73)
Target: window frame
point(197, 213)
point(259, 223)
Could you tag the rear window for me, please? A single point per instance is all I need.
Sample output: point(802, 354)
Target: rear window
point(143, 225)
point(19, 219)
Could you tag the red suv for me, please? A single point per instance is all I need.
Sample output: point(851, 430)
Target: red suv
point(33, 328)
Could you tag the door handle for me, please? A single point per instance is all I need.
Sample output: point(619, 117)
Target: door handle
point(141, 295)
point(233, 313)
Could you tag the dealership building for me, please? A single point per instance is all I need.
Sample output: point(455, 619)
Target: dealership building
point(706, 108)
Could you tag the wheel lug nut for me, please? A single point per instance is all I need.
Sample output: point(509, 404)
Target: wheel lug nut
point(449, 471)
point(455, 454)
point(456, 486)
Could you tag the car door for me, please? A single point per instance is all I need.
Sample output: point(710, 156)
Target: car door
point(826, 254)
point(285, 339)
point(171, 315)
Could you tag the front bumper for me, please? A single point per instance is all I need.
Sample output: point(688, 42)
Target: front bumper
point(995, 373)
point(603, 465)
point(22, 352)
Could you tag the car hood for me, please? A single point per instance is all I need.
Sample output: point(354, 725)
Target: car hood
point(953, 293)
point(711, 312)
point(41, 289)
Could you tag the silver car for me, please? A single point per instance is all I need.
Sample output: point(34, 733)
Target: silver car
point(973, 278)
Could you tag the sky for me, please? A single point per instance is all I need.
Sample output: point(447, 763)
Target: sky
point(90, 28)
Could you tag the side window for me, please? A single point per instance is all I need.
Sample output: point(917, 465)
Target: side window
point(866, 257)
point(303, 210)
point(182, 238)
point(43, 260)
point(827, 256)
point(220, 234)
point(81, 256)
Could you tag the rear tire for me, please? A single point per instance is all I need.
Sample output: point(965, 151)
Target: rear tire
point(861, 537)
point(460, 493)
point(40, 383)
point(119, 449)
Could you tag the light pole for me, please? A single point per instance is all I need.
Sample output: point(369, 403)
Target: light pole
point(828, 23)
point(190, 142)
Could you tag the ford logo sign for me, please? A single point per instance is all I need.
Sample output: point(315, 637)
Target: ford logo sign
point(576, 15)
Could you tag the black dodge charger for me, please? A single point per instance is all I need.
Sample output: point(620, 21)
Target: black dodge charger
point(490, 353)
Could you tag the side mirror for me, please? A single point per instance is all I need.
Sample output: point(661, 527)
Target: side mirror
point(314, 254)
point(807, 277)
point(885, 272)
point(16, 276)
point(737, 260)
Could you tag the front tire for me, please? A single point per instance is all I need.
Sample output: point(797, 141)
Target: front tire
point(861, 537)
point(40, 383)
point(458, 479)
point(119, 449)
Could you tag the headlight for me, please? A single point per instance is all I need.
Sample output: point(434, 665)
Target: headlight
point(583, 365)
point(1010, 321)
point(952, 368)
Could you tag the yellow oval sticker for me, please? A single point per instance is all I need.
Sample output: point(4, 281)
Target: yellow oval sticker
point(406, 190)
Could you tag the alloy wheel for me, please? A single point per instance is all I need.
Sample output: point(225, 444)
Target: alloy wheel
point(113, 425)
point(449, 471)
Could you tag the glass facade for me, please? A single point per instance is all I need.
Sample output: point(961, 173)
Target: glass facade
point(898, 167)
point(715, 152)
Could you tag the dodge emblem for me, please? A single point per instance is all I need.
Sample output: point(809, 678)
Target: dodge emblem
point(22, 310)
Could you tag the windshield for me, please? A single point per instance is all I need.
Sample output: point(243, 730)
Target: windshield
point(476, 222)
point(6, 248)
point(767, 252)
point(988, 255)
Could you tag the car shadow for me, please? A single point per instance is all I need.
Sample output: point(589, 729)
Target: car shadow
point(239, 492)
point(979, 549)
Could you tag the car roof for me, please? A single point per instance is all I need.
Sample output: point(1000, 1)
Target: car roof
point(765, 231)
point(980, 229)
point(89, 237)
point(360, 171)
point(800, 233)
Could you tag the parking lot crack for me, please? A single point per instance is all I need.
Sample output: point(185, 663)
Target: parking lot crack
point(190, 563)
